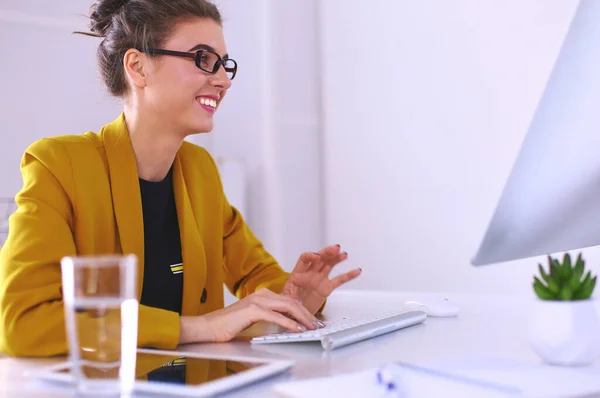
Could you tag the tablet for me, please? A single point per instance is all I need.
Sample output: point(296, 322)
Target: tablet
point(185, 373)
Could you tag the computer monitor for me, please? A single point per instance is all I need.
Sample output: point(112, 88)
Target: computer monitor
point(551, 201)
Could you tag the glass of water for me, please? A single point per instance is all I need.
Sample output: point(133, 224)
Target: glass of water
point(101, 312)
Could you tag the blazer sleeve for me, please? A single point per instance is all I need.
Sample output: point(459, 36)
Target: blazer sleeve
point(248, 266)
point(32, 321)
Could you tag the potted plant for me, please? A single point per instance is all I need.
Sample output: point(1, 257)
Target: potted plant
point(565, 326)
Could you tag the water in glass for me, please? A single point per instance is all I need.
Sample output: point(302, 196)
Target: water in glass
point(101, 316)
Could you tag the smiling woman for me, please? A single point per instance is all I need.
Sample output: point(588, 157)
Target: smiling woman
point(137, 187)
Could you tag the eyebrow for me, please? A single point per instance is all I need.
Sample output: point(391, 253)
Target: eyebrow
point(206, 47)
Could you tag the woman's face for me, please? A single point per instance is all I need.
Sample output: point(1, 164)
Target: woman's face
point(177, 91)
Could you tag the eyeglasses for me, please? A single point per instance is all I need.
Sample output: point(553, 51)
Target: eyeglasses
point(206, 60)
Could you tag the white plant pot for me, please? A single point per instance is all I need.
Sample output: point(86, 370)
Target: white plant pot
point(566, 333)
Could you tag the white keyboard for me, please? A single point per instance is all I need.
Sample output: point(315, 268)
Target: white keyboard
point(348, 330)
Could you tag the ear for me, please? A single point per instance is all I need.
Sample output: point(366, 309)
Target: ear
point(133, 61)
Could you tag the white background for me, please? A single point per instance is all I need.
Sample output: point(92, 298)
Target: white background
point(425, 105)
point(389, 128)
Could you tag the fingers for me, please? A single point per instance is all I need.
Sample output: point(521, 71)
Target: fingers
point(304, 262)
point(324, 260)
point(330, 251)
point(296, 311)
point(308, 261)
point(331, 256)
point(344, 278)
point(279, 320)
point(288, 305)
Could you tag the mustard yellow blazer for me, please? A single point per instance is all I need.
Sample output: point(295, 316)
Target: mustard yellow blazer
point(81, 196)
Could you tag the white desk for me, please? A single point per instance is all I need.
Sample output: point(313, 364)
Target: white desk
point(487, 327)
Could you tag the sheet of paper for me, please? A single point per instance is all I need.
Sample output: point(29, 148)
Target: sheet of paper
point(412, 384)
point(535, 380)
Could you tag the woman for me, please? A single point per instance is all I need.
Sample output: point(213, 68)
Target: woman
point(137, 187)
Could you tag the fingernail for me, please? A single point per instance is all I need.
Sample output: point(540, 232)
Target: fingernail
point(321, 324)
point(338, 246)
point(317, 254)
point(301, 328)
point(316, 325)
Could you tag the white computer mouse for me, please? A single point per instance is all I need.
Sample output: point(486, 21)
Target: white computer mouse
point(432, 307)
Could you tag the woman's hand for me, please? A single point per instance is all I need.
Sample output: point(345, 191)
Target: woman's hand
point(263, 305)
point(309, 281)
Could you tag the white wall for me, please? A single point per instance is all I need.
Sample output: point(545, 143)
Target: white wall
point(269, 121)
point(425, 105)
point(49, 84)
point(272, 120)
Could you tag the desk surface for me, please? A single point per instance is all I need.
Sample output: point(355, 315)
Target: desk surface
point(487, 326)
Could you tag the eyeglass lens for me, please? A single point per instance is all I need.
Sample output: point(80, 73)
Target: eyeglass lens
point(210, 62)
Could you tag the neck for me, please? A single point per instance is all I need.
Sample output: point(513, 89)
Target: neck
point(154, 144)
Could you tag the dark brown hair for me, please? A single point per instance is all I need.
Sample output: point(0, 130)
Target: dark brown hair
point(141, 24)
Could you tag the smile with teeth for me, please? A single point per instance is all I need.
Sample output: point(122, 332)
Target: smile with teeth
point(208, 101)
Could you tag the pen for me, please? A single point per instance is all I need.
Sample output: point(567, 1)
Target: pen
point(391, 385)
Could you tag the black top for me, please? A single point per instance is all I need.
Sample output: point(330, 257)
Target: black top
point(172, 372)
point(163, 268)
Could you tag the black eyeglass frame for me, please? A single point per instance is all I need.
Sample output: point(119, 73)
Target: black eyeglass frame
point(197, 57)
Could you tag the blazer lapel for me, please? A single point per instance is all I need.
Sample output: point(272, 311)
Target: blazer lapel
point(194, 256)
point(125, 188)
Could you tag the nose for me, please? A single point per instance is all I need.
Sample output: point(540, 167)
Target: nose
point(220, 79)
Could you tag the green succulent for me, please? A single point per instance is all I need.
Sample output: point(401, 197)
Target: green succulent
point(564, 281)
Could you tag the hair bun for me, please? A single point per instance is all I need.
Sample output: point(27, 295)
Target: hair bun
point(102, 13)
